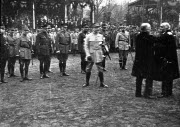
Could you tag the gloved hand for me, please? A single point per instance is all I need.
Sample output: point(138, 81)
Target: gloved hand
point(89, 58)
point(58, 51)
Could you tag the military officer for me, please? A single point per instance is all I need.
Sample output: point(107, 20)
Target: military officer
point(42, 46)
point(4, 53)
point(81, 38)
point(122, 44)
point(24, 46)
point(166, 59)
point(12, 42)
point(50, 44)
point(94, 54)
point(63, 41)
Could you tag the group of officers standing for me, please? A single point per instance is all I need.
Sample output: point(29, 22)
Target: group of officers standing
point(155, 56)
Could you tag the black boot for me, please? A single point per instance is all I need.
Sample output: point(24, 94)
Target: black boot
point(2, 78)
point(124, 64)
point(88, 75)
point(64, 70)
point(22, 74)
point(26, 75)
point(101, 78)
point(61, 69)
point(120, 64)
point(83, 67)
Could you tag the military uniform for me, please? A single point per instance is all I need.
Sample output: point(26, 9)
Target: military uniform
point(42, 46)
point(13, 52)
point(63, 41)
point(3, 56)
point(24, 46)
point(122, 43)
point(94, 54)
point(50, 44)
point(167, 62)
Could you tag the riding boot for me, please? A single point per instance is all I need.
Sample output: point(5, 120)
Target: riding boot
point(22, 73)
point(64, 69)
point(26, 75)
point(88, 75)
point(61, 68)
point(124, 64)
point(120, 64)
point(2, 78)
point(101, 78)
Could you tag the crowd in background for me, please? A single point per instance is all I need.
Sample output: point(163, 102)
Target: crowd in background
point(111, 33)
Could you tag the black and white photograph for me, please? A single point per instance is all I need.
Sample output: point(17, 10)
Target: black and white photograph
point(90, 63)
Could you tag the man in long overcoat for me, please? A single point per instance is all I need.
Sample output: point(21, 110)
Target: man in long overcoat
point(42, 46)
point(144, 61)
point(166, 60)
point(4, 53)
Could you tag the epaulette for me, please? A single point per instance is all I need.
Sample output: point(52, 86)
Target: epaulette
point(169, 33)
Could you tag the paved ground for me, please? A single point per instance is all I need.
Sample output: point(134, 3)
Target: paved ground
point(62, 102)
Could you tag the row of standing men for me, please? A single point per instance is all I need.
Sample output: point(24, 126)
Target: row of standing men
point(146, 62)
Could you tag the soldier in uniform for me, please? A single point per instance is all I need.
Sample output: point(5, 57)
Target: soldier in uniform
point(81, 38)
point(94, 54)
point(4, 53)
point(42, 46)
point(122, 44)
point(63, 41)
point(50, 43)
point(12, 42)
point(24, 46)
point(166, 59)
point(144, 61)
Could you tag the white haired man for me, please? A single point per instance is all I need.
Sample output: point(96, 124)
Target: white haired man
point(143, 66)
point(166, 59)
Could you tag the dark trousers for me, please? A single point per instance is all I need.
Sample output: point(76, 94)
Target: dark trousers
point(2, 69)
point(62, 57)
point(167, 87)
point(123, 54)
point(83, 61)
point(24, 65)
point(104, 62)
point(148, 87)
point(11, 65)
point(48, 63)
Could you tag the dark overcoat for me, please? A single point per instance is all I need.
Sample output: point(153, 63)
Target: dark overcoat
point(42, 45)
point(166, 57)
point(3, 48)
point(144, 56)
point(81, 42)
point(63, 41)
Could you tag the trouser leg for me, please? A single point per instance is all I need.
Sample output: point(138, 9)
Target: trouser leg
point(13, 65)
point(164, 88)
point(27, 68)
point(9, 66)
point(169, 87)
point(120, 59)
point(104, 62)
point(88, 75)
point(125, 54)
point(3, 65)
point(22, 68)
point(41, 66)
point(83, 62)
point(138, 86)
point(148, 88)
